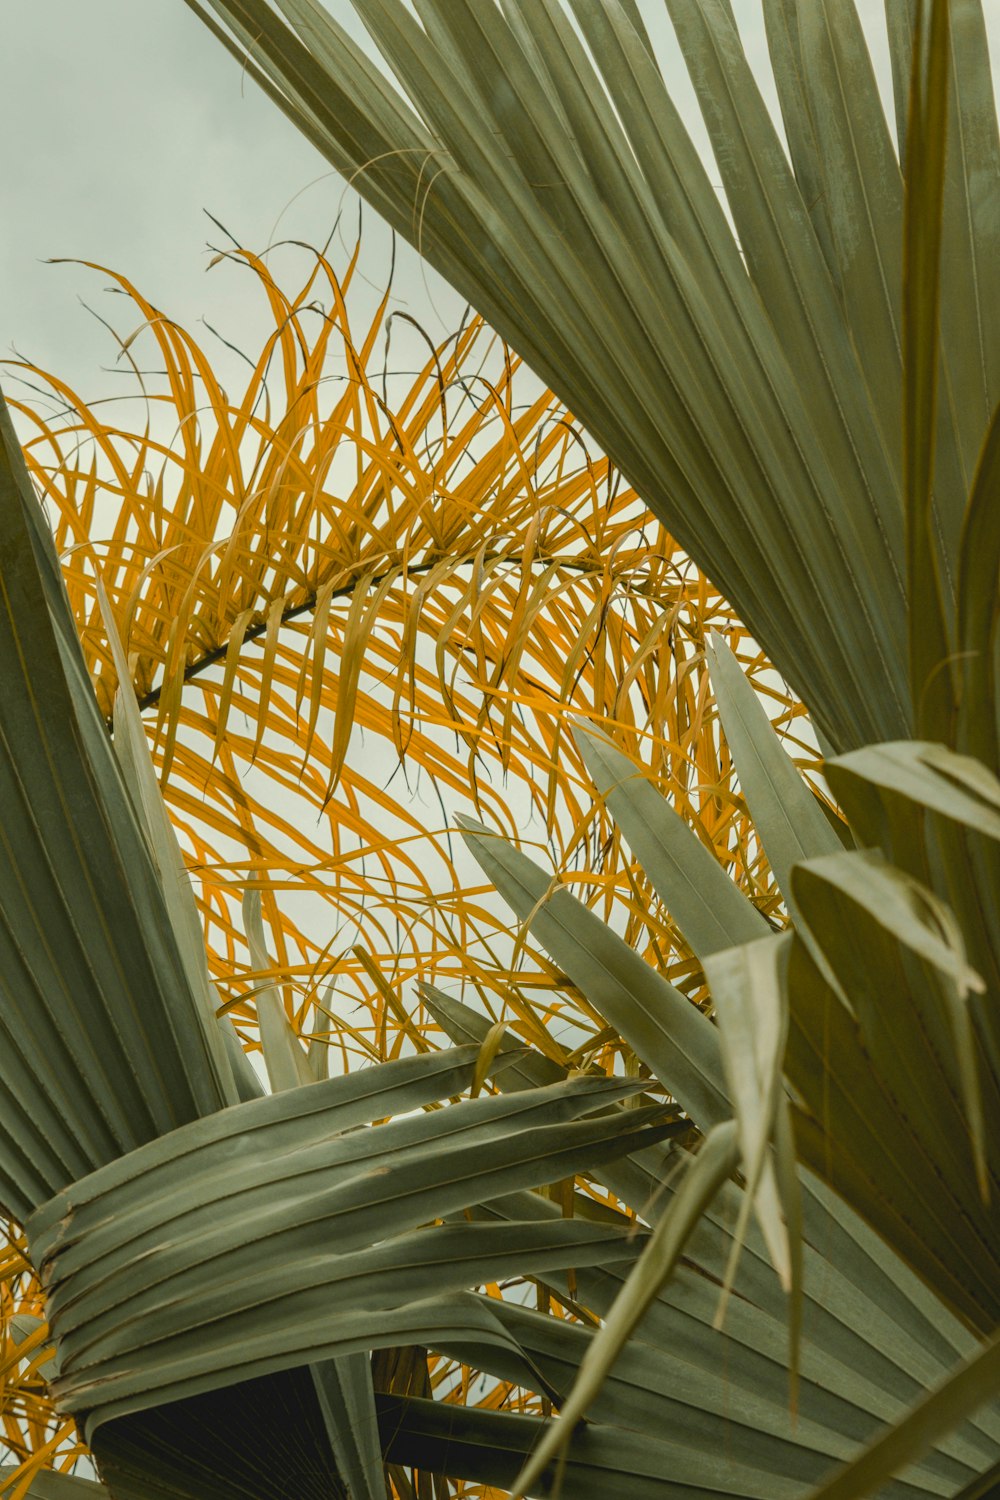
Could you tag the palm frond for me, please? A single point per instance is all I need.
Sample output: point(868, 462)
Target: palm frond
point(353, 601)
point(453, 546)
point(535, 155)
point(299, 573)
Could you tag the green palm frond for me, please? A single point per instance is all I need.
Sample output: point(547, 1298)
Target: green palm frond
point(800, 377)
point(533, 152)
point(890, 1078)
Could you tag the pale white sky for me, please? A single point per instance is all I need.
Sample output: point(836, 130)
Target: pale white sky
point(124, 120)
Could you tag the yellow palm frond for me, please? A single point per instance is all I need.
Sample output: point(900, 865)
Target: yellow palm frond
point(354, 602)
point(446, 572)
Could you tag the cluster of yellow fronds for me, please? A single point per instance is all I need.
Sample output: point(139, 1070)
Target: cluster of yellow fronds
point(354, 603)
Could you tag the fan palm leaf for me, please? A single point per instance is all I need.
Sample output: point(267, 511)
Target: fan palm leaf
point(760, 360)
point(534, 153)
point(785, 342)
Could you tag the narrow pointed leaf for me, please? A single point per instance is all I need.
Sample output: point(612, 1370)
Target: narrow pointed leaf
point(926, 153)
point(707, 906)
point(286, 1062)
point(677, 1042)
point(786, 813)
point(748, 986)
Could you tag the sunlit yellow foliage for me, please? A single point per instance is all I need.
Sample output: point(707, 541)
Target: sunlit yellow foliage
point(354, 602)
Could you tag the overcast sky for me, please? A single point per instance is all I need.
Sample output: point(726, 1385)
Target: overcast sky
point(124, 120)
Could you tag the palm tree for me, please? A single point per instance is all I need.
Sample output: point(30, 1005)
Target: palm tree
point(750, 388)
point(188, 517)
